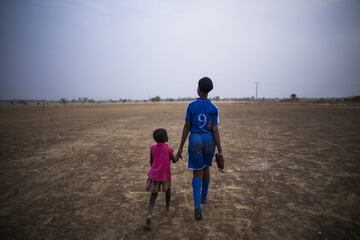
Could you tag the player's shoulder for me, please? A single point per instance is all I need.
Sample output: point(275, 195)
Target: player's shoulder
point(213, 106)
point(193, 102)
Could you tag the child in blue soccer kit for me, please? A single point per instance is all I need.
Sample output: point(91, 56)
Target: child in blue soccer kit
point(202, 119)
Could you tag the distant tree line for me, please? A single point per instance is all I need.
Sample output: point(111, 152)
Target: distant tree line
point(292, 98)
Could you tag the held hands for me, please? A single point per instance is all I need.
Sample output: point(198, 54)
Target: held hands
point(179, 154)
point(177, 157)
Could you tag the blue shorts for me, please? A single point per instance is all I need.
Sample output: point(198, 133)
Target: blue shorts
point(201, 150)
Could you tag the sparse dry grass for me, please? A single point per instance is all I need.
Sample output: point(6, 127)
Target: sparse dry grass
point(78, 172)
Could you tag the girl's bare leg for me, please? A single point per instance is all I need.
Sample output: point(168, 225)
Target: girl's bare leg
point(168, 198)
point(169, 209)
point(152, 200)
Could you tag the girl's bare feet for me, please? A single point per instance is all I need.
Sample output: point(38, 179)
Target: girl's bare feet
point(148, 224)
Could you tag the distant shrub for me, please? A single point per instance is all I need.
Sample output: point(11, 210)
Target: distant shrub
point(293, 97)
point(217, 98)
point(156, 99)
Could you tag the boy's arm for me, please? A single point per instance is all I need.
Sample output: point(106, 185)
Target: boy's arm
point(216, 134)
point(184, 135)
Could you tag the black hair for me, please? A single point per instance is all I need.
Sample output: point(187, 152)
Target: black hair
point(205, 85)
point(160, 135)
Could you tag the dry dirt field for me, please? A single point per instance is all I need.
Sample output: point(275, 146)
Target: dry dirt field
point(78, 172)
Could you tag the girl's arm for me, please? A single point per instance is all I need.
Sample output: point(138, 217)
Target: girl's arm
point(184, 135)
point(151, 159)
point(216, 134)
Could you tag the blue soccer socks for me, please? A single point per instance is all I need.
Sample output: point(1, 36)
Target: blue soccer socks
point(196, 184)
point(204, 190)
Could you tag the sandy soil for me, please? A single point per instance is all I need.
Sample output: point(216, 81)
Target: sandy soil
point(78, 172)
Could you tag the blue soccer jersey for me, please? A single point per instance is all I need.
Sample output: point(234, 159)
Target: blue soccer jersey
point(202, 114)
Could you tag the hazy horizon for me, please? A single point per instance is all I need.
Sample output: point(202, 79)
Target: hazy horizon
point(167, 99)
point(138, 50)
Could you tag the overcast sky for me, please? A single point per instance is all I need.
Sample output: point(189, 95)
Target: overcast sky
point(142, 48)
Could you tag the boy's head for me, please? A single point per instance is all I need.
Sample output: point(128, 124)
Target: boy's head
point(160, 135)
point(205, 85)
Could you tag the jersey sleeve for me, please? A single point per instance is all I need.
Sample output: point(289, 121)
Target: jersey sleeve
point(188, 115)
point(215, 116)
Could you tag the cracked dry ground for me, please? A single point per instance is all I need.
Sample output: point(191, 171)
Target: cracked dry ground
point(78, 172)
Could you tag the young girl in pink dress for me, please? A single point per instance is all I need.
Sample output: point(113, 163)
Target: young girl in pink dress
point(159, 176)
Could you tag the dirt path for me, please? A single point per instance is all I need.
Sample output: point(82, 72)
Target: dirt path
point(292, 172)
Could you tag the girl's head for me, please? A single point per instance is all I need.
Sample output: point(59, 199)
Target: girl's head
point(160, 135)
point(205, 85)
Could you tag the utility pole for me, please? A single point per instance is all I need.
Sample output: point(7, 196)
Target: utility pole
point(256, 94)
